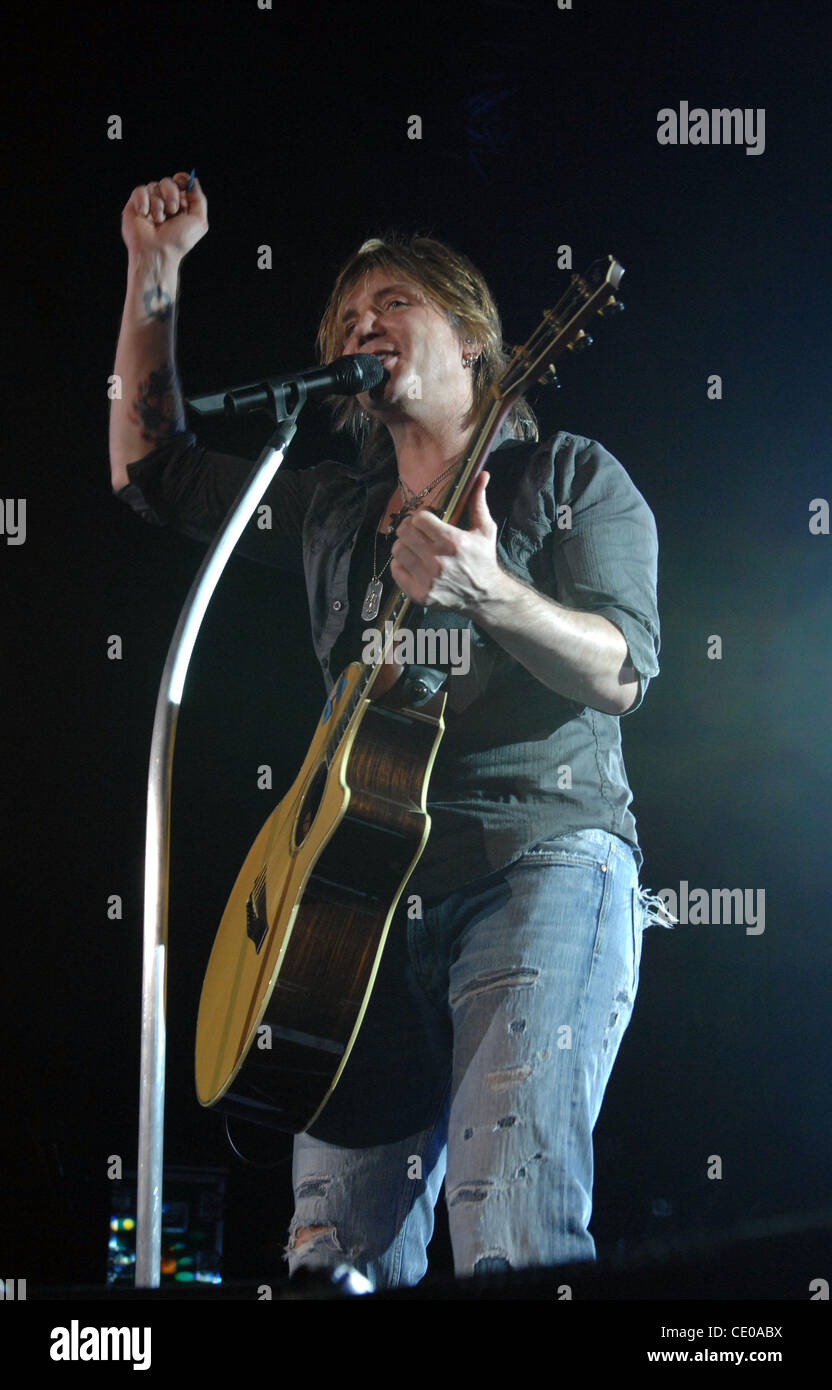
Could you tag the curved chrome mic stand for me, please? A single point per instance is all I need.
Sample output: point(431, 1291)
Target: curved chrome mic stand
point(157, 853)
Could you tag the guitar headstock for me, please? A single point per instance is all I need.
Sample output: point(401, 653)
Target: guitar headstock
point(562, 328)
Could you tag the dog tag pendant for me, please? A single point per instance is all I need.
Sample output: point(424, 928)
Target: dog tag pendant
point(372, 599)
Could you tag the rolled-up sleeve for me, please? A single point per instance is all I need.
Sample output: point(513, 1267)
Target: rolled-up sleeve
point(606, 559)
point(191, 489)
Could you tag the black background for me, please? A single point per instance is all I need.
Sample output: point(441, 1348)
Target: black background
point(539, 129)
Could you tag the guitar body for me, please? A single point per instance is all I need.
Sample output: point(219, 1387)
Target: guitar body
point(300, 941)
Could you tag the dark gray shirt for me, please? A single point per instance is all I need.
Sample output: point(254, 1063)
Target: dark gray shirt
point(518, 763)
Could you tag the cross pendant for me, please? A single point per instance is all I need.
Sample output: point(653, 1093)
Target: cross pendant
point(396, 518)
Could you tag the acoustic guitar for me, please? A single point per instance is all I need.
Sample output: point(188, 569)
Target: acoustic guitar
point(300, 941)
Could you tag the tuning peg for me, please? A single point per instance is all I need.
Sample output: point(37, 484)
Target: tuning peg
point(580, 342)
point(612, 306)
point(550, 377)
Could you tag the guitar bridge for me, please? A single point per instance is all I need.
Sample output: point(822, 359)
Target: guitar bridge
point(257, 923)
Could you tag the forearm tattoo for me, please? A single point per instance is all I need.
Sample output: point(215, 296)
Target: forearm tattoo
point(156, 407)
point(158, 304)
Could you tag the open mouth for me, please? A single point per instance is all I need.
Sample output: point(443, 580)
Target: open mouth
point(387, 360)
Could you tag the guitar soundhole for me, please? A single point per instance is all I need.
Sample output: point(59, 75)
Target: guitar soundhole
point(309, 805)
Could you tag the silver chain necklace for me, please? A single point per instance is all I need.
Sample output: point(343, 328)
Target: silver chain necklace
point(411, 500)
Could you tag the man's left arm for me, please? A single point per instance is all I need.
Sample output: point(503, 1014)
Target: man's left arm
point(581, 655)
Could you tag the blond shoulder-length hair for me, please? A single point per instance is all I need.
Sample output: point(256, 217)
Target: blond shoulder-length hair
point(455, 286)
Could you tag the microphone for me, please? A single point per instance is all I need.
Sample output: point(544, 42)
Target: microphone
point(347, 376)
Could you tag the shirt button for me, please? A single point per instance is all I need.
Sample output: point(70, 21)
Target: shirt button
point(337, 606)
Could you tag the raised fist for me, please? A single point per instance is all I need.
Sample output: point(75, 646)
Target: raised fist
point(162, 216)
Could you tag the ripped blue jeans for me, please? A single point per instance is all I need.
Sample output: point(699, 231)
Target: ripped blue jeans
point(484, 1057)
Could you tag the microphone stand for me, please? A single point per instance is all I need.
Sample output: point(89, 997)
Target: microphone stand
point(157, 845)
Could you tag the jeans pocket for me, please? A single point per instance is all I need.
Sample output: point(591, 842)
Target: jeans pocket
point(582, 847)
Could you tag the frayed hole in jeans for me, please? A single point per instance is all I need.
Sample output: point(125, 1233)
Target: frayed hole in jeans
point(492, 1264)
point(503, 1080)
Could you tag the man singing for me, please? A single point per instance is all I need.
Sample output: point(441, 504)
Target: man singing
point(500, 1007)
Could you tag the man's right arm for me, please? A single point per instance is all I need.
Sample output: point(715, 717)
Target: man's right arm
point(182, 483)
point(160, 223)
